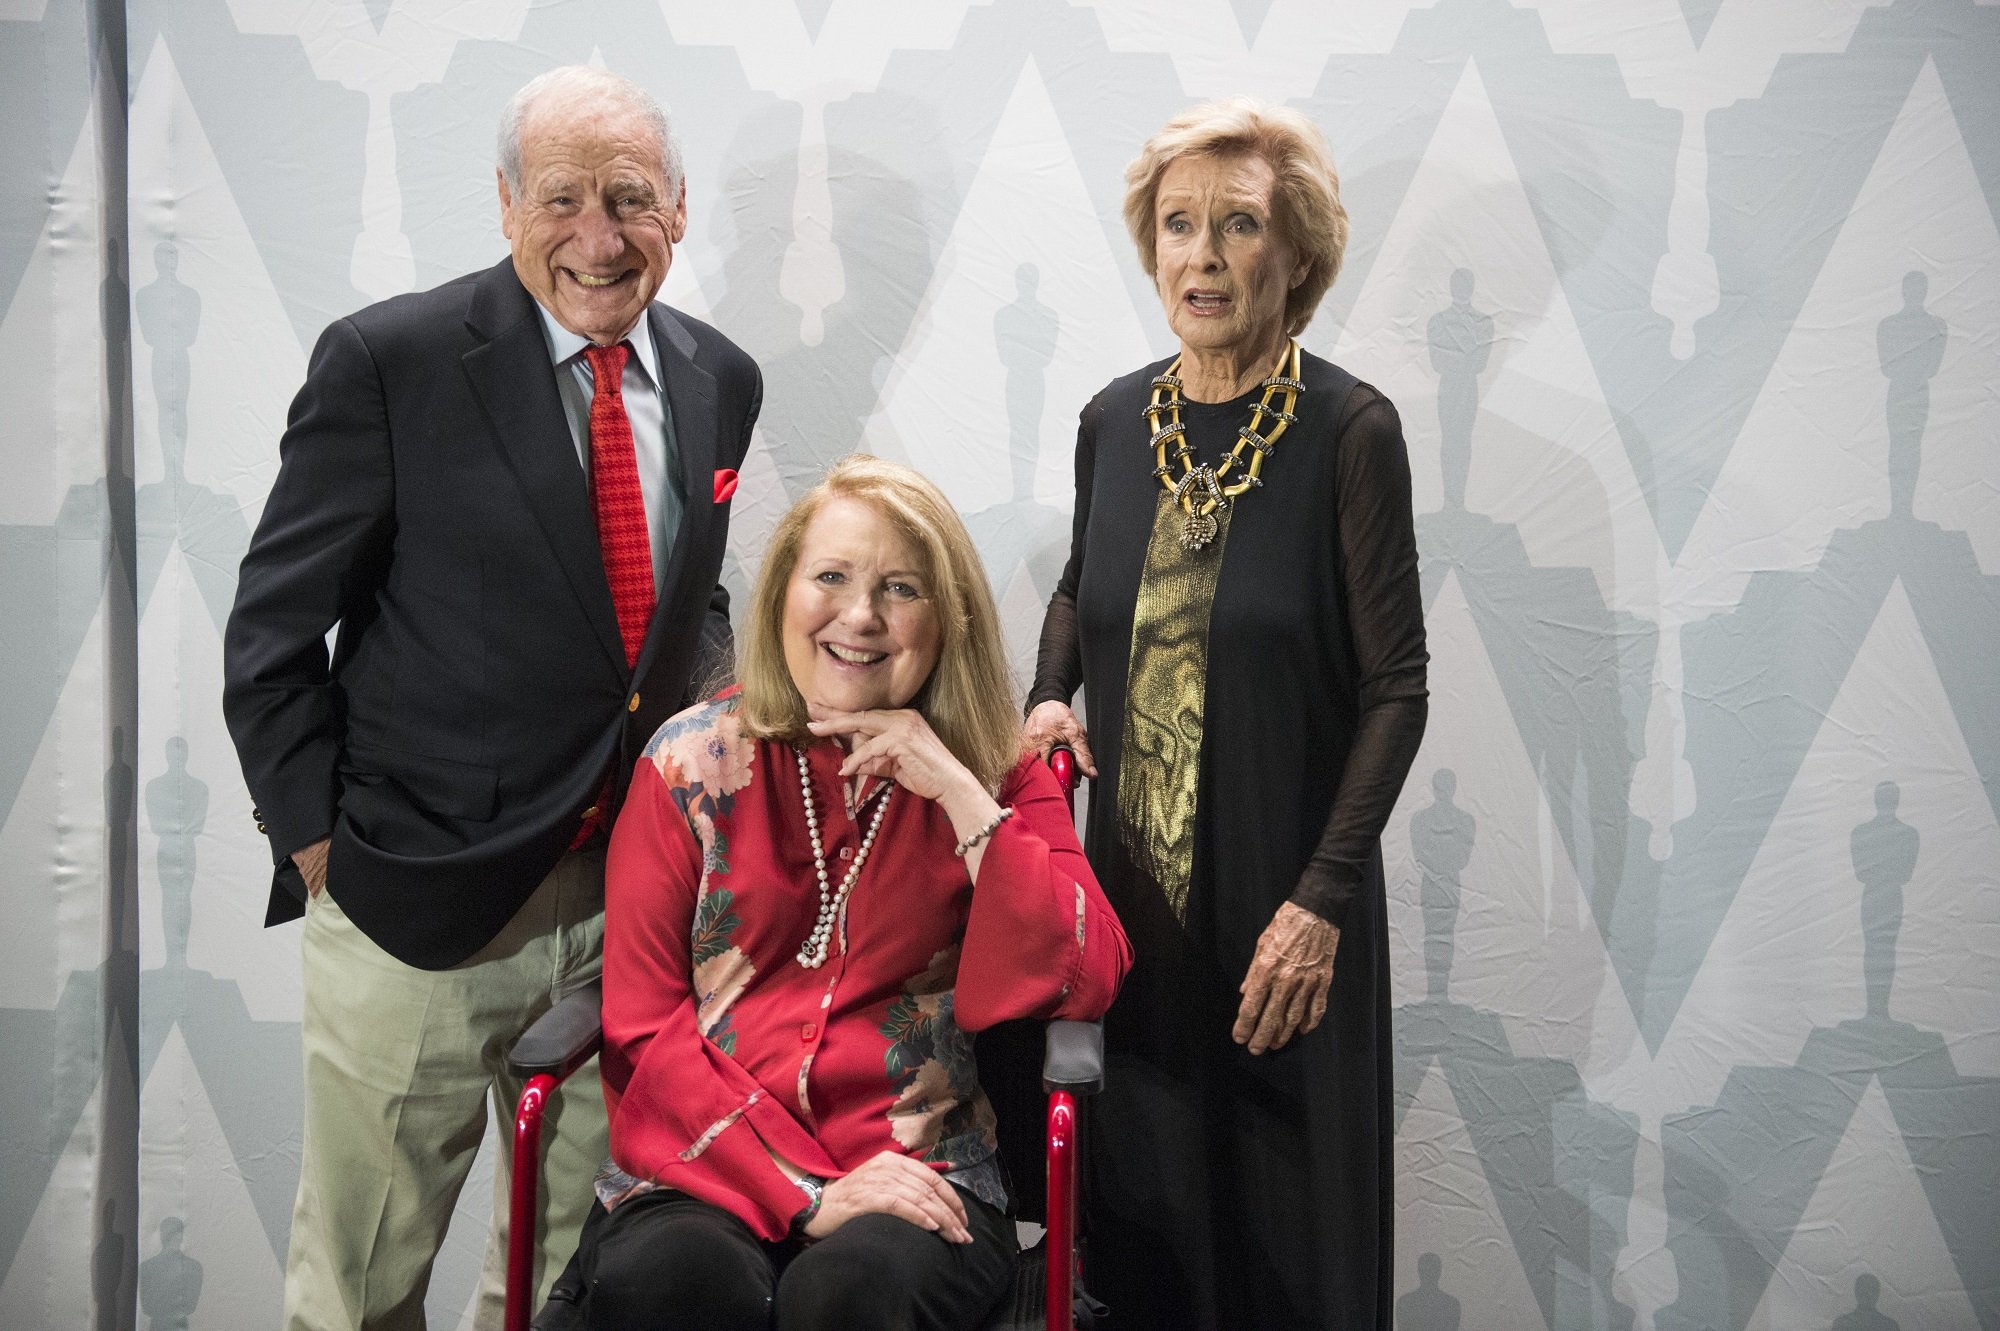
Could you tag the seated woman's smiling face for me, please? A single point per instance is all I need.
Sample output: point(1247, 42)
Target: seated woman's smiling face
point(860, 631)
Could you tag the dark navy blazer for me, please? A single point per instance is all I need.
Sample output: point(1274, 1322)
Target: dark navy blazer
point(429, 501)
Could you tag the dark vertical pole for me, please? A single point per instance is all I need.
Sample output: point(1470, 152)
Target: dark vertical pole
point(115, 1222)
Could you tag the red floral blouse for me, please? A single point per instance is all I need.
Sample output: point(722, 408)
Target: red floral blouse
point(720, 1050)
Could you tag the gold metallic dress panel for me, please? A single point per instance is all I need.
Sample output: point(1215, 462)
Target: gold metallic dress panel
point(1165, 693)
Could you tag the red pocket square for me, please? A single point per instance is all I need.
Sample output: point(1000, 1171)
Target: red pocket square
point(725, 484)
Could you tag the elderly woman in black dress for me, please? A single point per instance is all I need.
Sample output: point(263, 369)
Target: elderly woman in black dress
point(1242, 611)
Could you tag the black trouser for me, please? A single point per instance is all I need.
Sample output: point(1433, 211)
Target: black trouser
point(667, 1260)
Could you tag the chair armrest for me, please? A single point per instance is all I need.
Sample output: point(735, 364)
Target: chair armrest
point(562, 1039)
point(1074, 1057)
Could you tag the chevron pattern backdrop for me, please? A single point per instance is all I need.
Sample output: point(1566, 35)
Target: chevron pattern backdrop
point(1693, 314)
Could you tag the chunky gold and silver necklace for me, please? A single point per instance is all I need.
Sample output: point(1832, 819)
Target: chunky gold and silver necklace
point(1203, 491)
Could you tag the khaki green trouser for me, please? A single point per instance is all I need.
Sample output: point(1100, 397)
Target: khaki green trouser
point(400, 1066)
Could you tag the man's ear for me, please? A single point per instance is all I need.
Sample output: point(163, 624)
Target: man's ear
point(506, 204)
point(677, 224)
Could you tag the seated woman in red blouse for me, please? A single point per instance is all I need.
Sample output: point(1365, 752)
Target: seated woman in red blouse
point(821, 884)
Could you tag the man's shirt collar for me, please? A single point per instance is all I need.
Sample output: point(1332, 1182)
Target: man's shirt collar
point(565, 346)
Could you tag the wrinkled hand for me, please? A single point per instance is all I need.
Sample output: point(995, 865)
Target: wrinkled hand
point(312, 865)
point(893, 1184)
point(898, 746)
point(1285, 992)
point(1053, 723)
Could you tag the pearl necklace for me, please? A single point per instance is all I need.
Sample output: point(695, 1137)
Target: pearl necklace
point(812, 952)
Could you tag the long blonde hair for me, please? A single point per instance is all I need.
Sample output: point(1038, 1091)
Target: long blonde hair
point(969, 698)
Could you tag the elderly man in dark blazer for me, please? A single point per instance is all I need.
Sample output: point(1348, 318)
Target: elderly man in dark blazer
point(511, 495)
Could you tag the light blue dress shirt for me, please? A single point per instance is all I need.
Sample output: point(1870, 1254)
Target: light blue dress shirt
point(653, 444)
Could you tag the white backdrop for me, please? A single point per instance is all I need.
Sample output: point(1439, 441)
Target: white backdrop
point(1704, 295)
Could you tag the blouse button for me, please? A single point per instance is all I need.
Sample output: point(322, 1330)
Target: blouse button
point(847, 852)
point(807, 1031)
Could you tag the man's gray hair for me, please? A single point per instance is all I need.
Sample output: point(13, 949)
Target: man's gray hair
point(596, 88)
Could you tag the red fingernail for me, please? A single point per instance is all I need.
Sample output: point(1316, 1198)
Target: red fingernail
point(940, 1166)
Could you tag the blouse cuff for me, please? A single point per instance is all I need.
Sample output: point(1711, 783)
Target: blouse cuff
point(1022, 940)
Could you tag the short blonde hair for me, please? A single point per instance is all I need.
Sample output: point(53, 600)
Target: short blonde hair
point(1305, 201)
point(969, 698)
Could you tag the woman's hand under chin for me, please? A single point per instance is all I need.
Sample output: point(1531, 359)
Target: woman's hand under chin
point(898, 746)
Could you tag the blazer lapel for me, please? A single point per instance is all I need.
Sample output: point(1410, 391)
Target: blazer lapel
point(691, 398)
point(512, 377)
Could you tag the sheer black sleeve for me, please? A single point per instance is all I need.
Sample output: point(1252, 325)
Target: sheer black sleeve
point(1059, 659)
point(1386, 616)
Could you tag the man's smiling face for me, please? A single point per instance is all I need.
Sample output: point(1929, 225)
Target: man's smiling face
point(592, 225)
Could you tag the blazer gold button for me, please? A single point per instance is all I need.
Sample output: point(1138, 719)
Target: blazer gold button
point(256, 814)
point(262, 828)
point(633, 705)
point(591, 812)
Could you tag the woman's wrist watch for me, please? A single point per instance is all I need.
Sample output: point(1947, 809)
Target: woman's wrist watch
point(814, 1189)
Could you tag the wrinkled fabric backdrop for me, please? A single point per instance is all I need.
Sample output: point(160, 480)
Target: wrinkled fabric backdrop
point(1696, 883)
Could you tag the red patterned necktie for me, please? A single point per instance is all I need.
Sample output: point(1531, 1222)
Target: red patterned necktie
point(621, 505)
point(622, 538)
